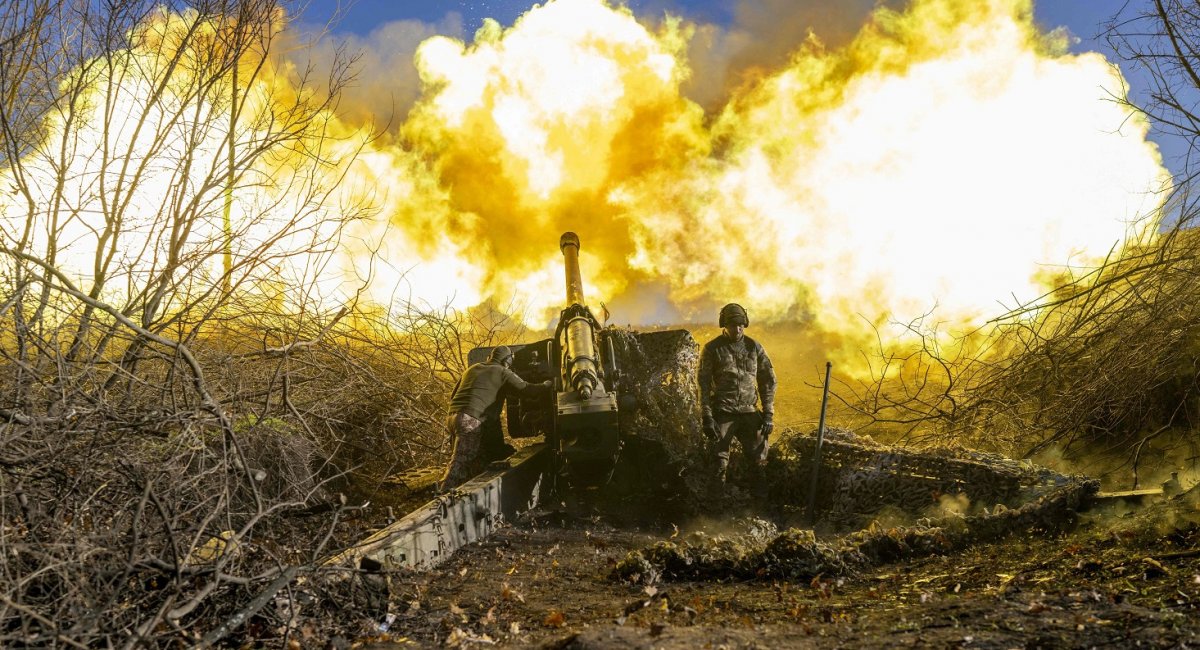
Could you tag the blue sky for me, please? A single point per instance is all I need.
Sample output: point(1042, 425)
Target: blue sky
point(364, 15)
point(1083, 17)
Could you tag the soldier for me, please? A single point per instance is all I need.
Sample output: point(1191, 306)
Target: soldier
point(476, 395)
point(735, 374)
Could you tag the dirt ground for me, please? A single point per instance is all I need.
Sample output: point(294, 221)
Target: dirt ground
point(1119, 579)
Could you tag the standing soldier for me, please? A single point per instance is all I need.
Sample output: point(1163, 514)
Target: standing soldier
point(473, 396)
point(736, 374)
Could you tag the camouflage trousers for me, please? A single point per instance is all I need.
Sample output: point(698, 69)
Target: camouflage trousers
point(466, 438)
point(746, 428)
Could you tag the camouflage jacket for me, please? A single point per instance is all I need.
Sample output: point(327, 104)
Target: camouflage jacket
point(481, 386)
point(734, 375)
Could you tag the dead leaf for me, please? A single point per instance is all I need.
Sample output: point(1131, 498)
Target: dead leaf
point(650, 590)
point(1155, 568)
point(462, 638)
point(508, 593)
point(225, 543)
point(456, 638)
point(822, 587)
point(1005, 580)
point(555, 619)
point(456, 610)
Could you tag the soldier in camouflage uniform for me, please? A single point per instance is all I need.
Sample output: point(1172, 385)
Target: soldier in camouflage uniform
point(473, 398)
point(735, 376)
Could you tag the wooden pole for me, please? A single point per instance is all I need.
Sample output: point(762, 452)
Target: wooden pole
point(816, 463)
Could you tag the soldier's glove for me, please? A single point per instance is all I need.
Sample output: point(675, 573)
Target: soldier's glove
point(768, 424)
point(710, 427)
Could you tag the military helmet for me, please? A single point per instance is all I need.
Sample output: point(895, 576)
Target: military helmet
point(500, 353)
point(732, 313)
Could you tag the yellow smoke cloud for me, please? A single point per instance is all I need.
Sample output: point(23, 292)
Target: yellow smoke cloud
point(529, 130)
point(946, 157)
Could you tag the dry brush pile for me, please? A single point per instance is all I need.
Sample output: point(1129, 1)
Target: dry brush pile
point(938, 495)
point(157, 507)
point(180, 400)
point(1105, 365)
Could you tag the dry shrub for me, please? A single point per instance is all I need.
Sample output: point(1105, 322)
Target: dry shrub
point(153, 491)
point(1106, 365)
point(1103, 366)
point(173, 383)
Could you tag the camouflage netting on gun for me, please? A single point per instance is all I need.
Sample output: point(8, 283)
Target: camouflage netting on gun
point(798, 554)
point(659, 370)
point(859, 478)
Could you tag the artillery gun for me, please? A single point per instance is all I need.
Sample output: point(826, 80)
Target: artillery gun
point(597, 411)
point(623, 412)
point(625, 406)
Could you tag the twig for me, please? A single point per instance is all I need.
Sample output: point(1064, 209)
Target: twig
point(285, 350)
point(252, 608)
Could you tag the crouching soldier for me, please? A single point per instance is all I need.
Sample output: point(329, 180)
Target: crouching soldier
point(476, 394)
point(735, 376)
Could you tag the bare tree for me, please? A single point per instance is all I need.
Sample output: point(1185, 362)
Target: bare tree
point(150, 423)
point(1159, 40)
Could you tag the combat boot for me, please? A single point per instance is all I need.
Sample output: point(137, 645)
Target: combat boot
point(759, 488)
point(716, 489)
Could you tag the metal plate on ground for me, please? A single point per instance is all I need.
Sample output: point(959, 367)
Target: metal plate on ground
point(428, 535)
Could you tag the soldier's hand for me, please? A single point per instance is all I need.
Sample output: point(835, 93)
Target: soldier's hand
point(768, 425)
point(710, 427)
point(548, 383)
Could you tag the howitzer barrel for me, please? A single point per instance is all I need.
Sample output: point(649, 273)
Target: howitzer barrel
point(581, 368)
point(569, 245)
